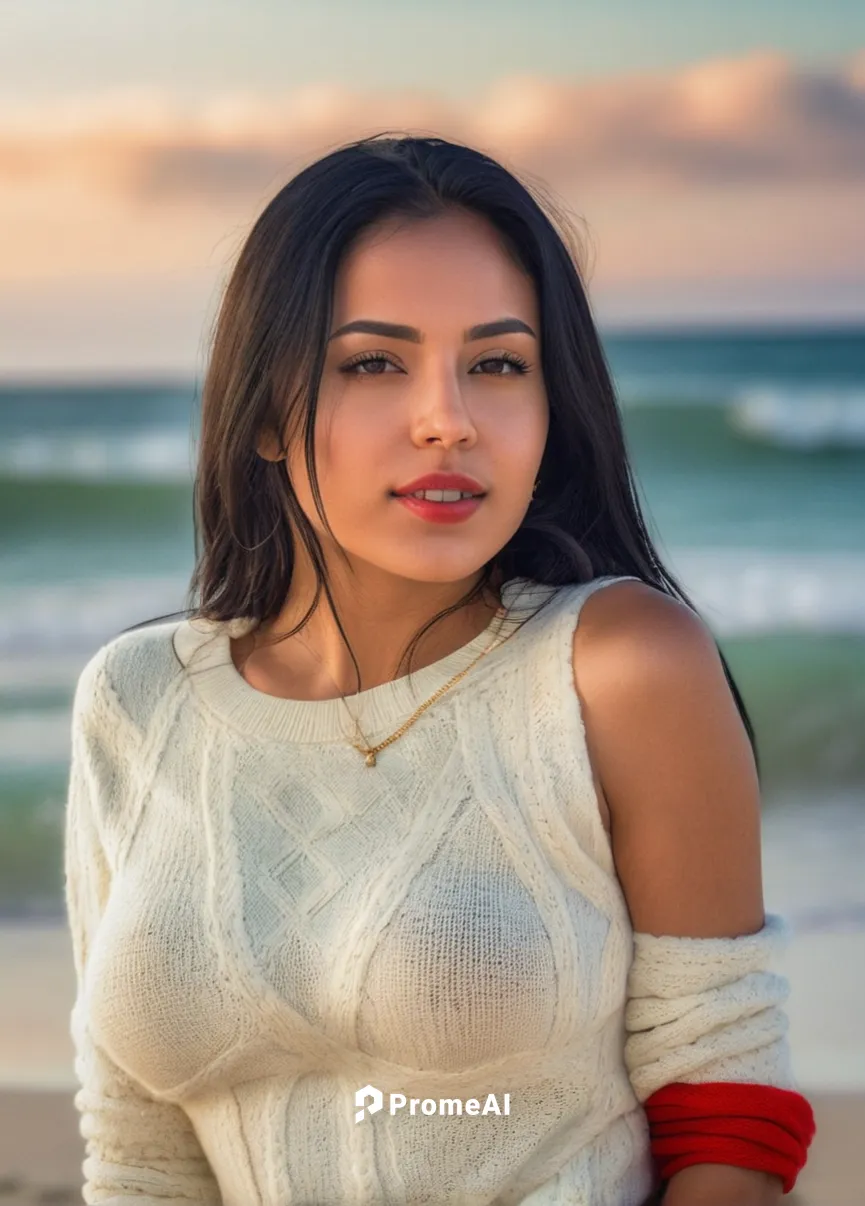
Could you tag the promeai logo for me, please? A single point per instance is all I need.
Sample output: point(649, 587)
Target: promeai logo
point(372, 1099)
point(369, 1093)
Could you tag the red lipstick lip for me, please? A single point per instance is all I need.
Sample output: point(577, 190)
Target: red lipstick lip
point(442, 481)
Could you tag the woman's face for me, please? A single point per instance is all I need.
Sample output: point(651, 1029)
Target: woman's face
point(437, 401)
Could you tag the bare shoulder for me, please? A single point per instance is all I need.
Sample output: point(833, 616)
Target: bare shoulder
point(629, 636)
point(637, 649)
point(630, 627)
point(672, 760)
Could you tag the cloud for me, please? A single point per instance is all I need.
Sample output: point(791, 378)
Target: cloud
point(730, 187)
point(756, 120)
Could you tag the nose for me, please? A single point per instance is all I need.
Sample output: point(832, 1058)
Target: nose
point(440, 414)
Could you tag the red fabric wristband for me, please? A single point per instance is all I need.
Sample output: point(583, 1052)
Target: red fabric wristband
point(751, 1126)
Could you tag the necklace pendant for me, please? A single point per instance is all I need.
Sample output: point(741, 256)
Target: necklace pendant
point(370, 758)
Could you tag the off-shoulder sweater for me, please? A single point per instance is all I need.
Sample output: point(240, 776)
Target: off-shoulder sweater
point(303, 981)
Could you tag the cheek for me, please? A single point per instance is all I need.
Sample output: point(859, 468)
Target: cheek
point(348, 446)
point(351, 456)
point(516, 440)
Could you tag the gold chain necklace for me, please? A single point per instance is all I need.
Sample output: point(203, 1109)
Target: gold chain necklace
point(368, 751)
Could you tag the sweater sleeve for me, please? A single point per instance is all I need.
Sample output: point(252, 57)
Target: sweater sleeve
point(138, 1150)
point(705, 1010)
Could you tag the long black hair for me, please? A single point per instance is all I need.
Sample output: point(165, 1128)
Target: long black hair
point(268, 353)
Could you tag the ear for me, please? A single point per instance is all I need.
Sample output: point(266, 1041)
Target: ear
point(268, 447)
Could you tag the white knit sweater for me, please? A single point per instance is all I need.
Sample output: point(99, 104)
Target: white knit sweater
point(264, 927)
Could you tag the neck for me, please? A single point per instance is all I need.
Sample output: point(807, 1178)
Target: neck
point(380, 615)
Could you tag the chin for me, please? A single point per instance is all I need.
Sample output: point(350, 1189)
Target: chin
point(434, 568)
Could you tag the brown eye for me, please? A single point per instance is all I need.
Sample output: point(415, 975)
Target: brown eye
point(518, 365)
point(366, 358)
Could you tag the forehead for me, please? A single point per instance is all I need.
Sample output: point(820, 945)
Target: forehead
point(454, 258)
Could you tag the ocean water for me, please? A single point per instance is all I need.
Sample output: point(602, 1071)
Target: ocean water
point(749, 453)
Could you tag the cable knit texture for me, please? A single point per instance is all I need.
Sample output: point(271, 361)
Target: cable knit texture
point(262, 926)
point(708, 1009)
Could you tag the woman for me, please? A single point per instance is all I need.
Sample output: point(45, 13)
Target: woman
point(380, 823)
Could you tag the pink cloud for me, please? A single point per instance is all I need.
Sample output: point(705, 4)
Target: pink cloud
point(730, 187)
point(756, 120)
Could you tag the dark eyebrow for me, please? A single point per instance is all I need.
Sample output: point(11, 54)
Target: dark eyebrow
point(391, 330)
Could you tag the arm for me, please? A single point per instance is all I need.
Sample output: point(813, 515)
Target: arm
point(138, 1150)
point(672, 756)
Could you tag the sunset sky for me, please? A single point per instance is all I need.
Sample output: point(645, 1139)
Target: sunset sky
point(713, 156)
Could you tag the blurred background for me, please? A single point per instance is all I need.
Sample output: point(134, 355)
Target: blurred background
point(713, 161)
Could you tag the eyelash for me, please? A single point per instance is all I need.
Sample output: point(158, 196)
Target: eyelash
point(508, 357)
